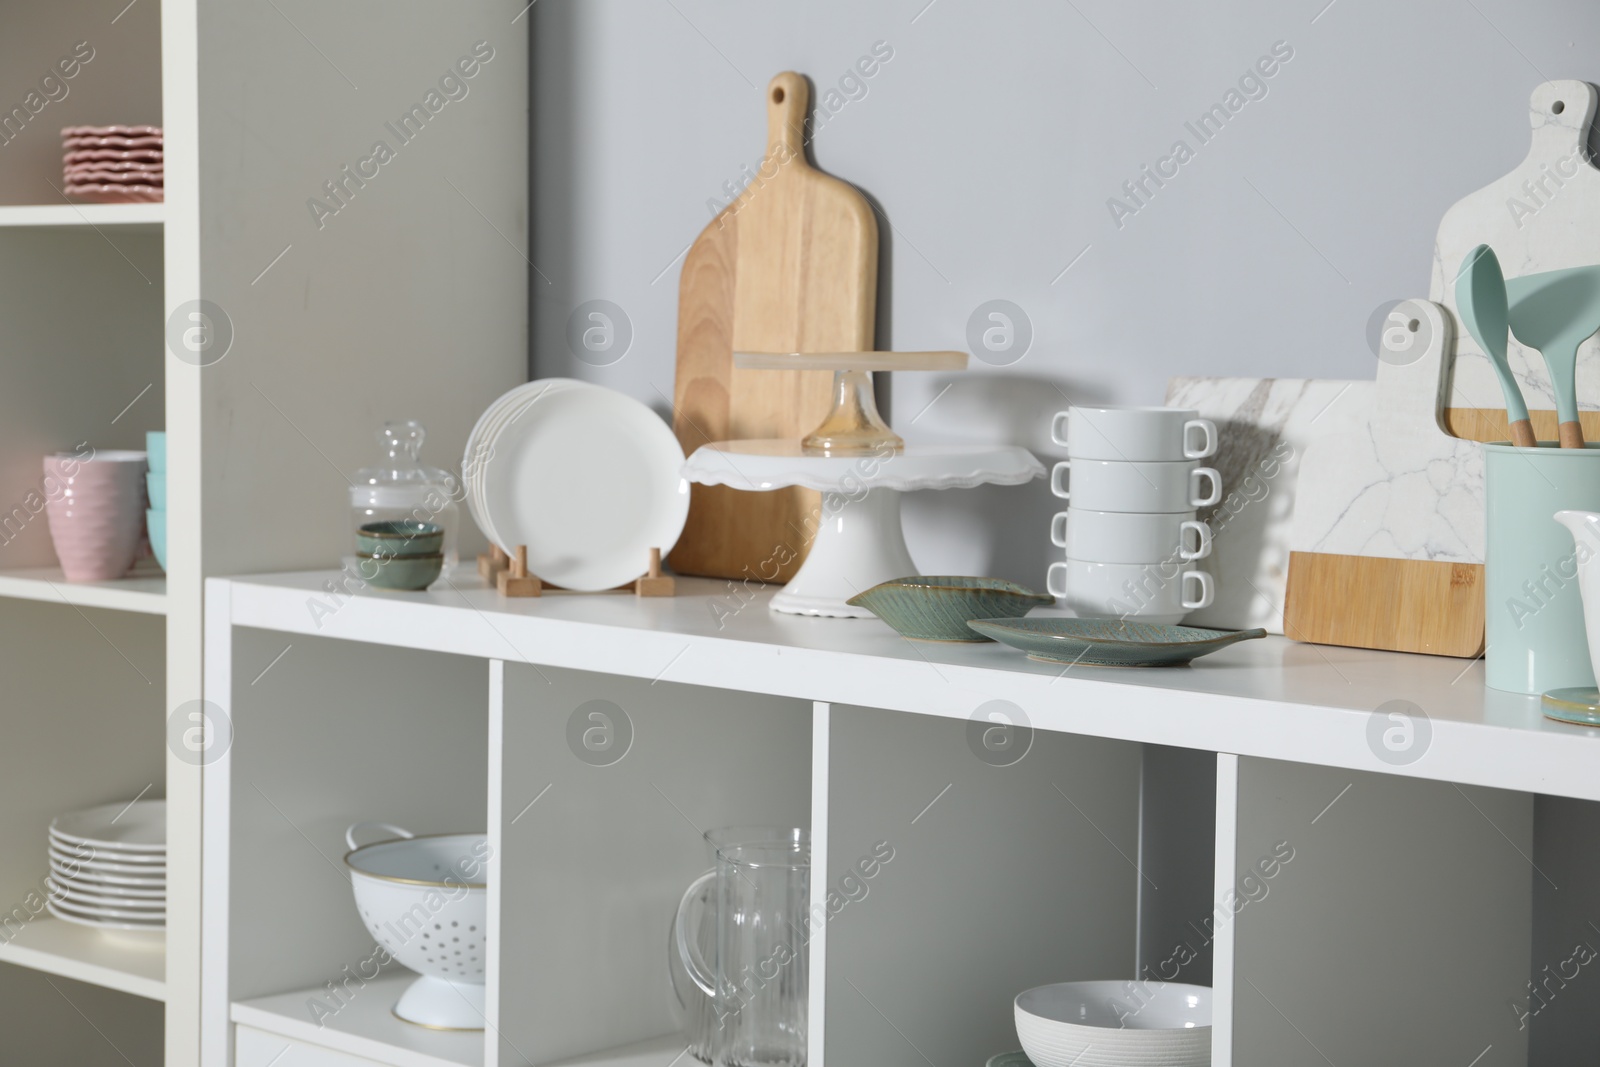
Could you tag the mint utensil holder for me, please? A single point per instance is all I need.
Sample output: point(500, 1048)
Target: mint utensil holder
point(1533, 618)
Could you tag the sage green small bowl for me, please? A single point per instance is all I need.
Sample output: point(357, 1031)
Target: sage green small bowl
point(936, 608)
point(400, 572)
point(400, 537)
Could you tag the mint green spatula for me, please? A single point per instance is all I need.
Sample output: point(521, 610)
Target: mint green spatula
point(1555, 312)
point(1481, 300)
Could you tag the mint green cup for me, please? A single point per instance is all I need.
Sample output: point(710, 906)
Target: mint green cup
point(1533, 612)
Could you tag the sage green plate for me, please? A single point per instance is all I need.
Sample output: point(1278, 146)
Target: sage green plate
point(1010, 1059)
point(1109, 642)
point(936, 608)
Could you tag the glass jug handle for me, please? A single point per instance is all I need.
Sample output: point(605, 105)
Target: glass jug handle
point(689, 952)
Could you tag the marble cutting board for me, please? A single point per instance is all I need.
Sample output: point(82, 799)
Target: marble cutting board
point(1264, 427)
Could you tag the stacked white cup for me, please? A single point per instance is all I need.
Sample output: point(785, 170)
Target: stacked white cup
point(1132, 484)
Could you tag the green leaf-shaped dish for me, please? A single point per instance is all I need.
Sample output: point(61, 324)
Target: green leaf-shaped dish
point(1109, 642)
point(936, 608)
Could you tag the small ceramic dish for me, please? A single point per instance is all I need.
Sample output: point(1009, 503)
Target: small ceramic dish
point(155, 450)
point(400, 537)
point(928, 608)
point(1109, 642)
point(155, 524)
point(156, 489)
point(409, 573)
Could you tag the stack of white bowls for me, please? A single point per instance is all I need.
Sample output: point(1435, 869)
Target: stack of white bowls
point(108, 866)
point(1133, 482)
point(1115, 1024)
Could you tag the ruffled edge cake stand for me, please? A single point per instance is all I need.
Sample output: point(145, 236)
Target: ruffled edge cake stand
point(859, 540)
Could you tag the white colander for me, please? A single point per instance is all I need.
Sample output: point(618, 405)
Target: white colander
point(425, 900)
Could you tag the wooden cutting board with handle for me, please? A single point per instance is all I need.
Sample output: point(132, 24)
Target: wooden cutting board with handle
point(791, 265)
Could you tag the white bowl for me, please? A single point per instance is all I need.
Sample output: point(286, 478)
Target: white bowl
point(1116, 1024)
point(426, 901)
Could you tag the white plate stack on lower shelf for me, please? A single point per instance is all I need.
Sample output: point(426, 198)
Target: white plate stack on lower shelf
point(108, 866)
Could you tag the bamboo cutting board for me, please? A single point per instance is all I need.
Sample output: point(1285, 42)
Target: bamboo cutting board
point(791, 265)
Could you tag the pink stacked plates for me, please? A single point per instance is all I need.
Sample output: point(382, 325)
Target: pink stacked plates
point(113, 164)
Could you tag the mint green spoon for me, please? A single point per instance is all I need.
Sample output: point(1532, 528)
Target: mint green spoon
point(1555, 312)
point(1481, 300)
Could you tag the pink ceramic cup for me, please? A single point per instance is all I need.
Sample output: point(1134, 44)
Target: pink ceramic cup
point(95, 504)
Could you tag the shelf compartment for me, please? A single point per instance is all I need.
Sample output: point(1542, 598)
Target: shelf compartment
point(134, 963)
point(1406, 903)
point(145, 591)
point(364, 1027)
point(141, 217)
point(600, 790)
point(400, 737)
point(1014, 865)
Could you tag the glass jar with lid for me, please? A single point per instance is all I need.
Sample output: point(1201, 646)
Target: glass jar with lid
point(400, 487)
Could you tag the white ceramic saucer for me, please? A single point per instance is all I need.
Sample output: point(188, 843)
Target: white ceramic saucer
point(137, 827)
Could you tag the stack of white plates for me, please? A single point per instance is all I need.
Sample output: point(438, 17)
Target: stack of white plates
point(587, 478)
point(108, 866)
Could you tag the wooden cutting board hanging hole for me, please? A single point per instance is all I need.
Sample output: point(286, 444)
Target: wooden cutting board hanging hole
point(790, 265)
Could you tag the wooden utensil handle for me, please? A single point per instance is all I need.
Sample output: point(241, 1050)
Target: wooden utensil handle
point(1570, 434)
point(1522, 434)
point(787, 96)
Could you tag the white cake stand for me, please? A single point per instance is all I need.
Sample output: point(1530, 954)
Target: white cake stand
point(859, 541)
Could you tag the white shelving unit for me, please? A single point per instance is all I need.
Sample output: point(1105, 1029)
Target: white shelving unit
point(137, 217)
point(83, 361)
point(1004, 877)
point(333, 330)
point(144, 592)
point(366, 1028)
point(133, 963)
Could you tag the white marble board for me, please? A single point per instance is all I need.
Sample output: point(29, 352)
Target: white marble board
point(1264, 427)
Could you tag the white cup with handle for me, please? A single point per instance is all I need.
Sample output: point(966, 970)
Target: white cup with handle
point(1144, 488)
point(1157, 593)
point(1130, 537)
point(1134, 434)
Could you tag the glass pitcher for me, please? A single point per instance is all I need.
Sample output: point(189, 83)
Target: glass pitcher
point(750, 911)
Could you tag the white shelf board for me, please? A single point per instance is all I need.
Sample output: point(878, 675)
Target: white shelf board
point(1273, 698)
point(655, 1052)
point(133, 962)
point(142, 216)
point(366, 1026)
point(144, 591)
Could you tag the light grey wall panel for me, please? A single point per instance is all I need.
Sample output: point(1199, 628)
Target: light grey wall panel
point(1003, 878)
point(1177, 849)
point(1394, 925)
point(332, 733)
point(408, 300)
point(993, 140)
point(599, 841)
point(1564, 1002)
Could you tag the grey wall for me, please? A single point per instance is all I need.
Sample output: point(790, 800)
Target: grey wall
point(992, 141)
